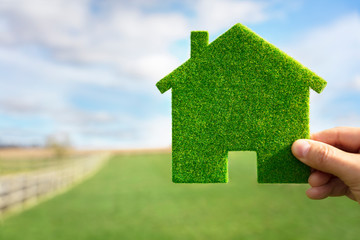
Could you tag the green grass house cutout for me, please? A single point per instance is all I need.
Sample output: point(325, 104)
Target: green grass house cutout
point(238, 93)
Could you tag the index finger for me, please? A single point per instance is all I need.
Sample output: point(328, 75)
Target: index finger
point(344, 138)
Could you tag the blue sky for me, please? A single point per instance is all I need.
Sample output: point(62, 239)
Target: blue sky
point(87, 69)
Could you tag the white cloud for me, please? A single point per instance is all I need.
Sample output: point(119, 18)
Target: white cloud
point(61, 73)
point(153, 66)
point(333, 52)
point(54, 22)
point(356, 82)
point(350, 119)
point(156, 132)
point(138, 133)
point(214, 15)
point(124, 36)
point(123, 46)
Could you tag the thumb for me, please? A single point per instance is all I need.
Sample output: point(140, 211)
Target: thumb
point(327, 158)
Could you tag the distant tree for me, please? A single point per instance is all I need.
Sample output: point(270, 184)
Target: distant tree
point(59, 143)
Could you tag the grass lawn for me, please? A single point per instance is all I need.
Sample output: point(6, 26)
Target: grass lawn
point(133, 198)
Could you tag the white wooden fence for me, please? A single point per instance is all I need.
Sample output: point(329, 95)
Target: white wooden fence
point(23, 190)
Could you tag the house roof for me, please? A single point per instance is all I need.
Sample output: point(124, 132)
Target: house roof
point(247, 37)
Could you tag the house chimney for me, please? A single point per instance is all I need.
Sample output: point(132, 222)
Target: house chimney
point(199, 41)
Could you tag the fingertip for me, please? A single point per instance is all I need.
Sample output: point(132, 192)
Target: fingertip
point(309, 193)
point(318, 178)
point(318, 193)
point(313, 136)
point(313, 193)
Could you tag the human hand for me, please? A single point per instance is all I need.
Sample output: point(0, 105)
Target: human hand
point(334, 155)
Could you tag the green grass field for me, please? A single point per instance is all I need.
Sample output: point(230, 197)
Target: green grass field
point(133, 198)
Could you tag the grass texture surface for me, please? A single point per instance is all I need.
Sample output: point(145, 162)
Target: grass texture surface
point(239, 93)
point(131, 198)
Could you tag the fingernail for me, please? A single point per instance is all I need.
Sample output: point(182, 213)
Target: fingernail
point(300, 148)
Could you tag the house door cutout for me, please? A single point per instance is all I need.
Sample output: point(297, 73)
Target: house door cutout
point(242, 163)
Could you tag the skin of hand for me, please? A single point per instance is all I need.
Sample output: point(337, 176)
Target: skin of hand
point(334, 156)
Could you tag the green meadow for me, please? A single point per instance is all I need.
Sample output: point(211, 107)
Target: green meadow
point(133, 197)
